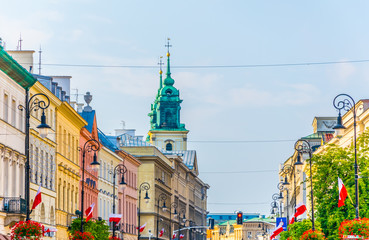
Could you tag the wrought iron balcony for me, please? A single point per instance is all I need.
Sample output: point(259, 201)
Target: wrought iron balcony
point(13, 205)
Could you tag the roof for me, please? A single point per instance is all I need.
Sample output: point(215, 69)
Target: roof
point(188, 156)
point(15, 71)
point(230, 222)
point(89, 117)
point(106, 141)
point(127, 140)
point(266, 220)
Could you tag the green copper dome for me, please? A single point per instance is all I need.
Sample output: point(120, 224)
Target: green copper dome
point(165, 111)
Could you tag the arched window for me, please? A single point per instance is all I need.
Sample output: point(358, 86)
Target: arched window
point(42, 217)
point(169, 147)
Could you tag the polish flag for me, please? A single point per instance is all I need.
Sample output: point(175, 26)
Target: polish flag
point(115, 218)
point(181, 236)
point(300, 209)
point(50, 230)
point(292, 220)
point(342, 193)
point(277, 231)
point(174, 235)
point(161, 232)
point(141, 228)
point(89, 211)
point(38, 199)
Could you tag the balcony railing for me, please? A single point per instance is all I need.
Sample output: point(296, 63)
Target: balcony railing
point(13, 205)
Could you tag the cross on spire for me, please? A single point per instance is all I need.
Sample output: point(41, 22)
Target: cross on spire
point(160, 63)
point(168, 45)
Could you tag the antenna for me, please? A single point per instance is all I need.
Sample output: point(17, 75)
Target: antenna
point(39, 61)
point(19, 47)
point(123, 124)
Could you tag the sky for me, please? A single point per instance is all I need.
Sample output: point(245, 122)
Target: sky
point(243, 121)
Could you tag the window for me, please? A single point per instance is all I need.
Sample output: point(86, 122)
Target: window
point(14, 111)
point(169, 147)
point(6, 108)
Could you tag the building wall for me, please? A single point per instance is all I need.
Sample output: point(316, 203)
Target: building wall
point(43, 159)
point(108, 161)
point(69, 124)
point(91, 188)
point(12, 138)
point(129, 197)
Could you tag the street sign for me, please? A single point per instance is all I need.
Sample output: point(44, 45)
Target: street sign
point(282, 219)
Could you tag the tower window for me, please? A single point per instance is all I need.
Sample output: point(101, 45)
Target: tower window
point(169, 147)
point(168, 92)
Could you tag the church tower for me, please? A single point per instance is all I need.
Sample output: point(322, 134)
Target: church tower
point(166, 131)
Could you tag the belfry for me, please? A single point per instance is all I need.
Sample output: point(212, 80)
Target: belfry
point(166, 131)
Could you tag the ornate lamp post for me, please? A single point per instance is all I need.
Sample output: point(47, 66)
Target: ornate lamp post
point(302, 146)
point(162, 197)
point(144, 186)
point(281, 188)
point(183, 212)
point(275, 198)
point(120, 169)
point(346, 102)
point(90, 146)
point(33, 104)
point(174, 206)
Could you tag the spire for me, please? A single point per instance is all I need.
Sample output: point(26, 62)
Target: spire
point(168, 80)
point(160, 63)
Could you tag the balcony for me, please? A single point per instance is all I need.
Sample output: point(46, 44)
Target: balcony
point(15, 205)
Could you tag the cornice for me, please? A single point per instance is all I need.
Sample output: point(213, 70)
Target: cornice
point(77, 120)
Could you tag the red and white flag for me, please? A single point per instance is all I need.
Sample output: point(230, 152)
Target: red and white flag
point(141, 228)
point(300, 209)
point(277, 231)
point(342, 193)
point(174, 235)
point(115, 218)
point(161, 232)
point(38, 199)
point(50, 230)
point(181, 236)
point(89, 211)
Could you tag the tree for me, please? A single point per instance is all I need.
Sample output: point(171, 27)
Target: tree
point(98, 229)
point(327, 166)
point(296, 230)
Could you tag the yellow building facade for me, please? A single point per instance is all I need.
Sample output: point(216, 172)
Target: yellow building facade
point(69, 124)
point(42, 159)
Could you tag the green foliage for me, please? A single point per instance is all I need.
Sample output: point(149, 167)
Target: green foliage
point(336, 162)
point(296, 230)
point(98, 229)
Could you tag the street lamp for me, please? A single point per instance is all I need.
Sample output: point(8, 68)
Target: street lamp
point(174, 206)
point(143, 186)
point(183, 212)
point(90, 145)
point(302, 146)
point(120, 169)
point(162, 197)
point(276, 197)
point(348, 104)
point(33, 104)
point(281, 187)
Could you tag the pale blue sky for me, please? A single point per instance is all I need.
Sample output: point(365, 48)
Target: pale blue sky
point(264, 103)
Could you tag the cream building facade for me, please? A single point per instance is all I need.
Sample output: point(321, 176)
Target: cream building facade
point(14, 80)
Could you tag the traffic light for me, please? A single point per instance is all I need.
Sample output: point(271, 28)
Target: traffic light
point(239, 218)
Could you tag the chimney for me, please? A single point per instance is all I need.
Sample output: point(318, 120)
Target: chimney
point(23, 57)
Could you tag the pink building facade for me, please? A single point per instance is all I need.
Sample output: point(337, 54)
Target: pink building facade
point(128, 197)
point(90, 177)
